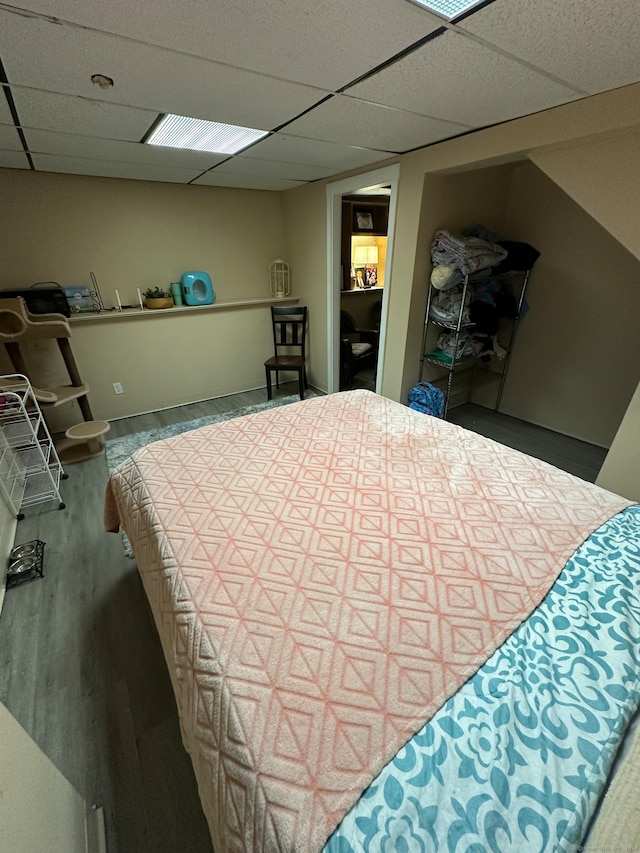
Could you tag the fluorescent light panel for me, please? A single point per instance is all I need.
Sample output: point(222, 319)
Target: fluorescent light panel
point(199, 135)
point(449, 9)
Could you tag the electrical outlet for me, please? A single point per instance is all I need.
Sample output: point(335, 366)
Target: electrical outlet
point(117, 388)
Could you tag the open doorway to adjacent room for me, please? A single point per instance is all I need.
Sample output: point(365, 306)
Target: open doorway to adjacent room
point(360, 222)
point(363, 255)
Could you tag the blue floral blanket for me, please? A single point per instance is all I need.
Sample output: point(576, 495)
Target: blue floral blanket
point(516, 759)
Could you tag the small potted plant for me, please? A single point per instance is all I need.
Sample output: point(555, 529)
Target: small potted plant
point(156, 297)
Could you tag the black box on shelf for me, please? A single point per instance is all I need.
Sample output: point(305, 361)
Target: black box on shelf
point(41, 300)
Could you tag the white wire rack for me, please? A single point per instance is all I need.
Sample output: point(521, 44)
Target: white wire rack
point(30, 470)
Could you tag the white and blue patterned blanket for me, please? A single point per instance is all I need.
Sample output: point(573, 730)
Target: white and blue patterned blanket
point(516, 760)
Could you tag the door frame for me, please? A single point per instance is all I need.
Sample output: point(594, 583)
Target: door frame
point(387, 176)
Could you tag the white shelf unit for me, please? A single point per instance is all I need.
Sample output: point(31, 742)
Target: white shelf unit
point(30, 469)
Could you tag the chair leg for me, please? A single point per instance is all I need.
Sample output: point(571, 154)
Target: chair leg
point(301, 383)
point(306, 384)
point(269, 390)
point(277, 378)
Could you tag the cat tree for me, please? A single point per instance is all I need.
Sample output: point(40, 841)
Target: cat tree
point(18, 329)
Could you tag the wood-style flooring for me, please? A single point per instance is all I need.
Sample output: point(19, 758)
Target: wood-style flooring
point(80, 662)
point(364, 379)
point(570, 454)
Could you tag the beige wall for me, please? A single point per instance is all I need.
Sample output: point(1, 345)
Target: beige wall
point(453, 202)
point(621, 470)
point(39, 809)
point(120, 229)
point(137, 234)
point(305, 225)
point(422, 198)
point(161, 360)
point(551, 129)
point(430, 169)
point(576, 362)
point(601, 174)
point(166, 360)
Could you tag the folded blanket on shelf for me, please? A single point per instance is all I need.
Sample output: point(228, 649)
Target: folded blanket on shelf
point(466, 254)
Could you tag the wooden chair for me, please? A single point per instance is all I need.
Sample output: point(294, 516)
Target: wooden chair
point(358, 349)
point(289, 339)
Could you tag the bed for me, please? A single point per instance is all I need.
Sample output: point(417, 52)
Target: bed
point(385, 632)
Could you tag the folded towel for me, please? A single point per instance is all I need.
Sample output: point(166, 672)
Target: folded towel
point(466, 254)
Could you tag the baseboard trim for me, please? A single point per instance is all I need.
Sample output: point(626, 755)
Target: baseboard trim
point(550, 428)
point(203, 400)
point(8, 525)
point(96, 838)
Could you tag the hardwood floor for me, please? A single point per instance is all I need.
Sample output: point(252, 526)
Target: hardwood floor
point(81, 666)
point(570, 454)
point(364, 379)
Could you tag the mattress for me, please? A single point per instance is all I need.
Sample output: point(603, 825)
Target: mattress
point(327, 576)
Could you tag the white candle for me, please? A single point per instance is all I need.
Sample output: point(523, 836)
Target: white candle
point(139, 297)
point(118, 301)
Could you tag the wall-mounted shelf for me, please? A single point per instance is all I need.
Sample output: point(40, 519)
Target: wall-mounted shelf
point(144, 313)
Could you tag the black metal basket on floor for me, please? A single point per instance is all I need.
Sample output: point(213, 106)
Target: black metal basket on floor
point(25, 563)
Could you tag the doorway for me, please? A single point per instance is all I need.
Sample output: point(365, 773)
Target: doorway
point(369, 184)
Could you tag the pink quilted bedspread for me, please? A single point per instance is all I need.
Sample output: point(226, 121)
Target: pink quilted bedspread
point(324, 576)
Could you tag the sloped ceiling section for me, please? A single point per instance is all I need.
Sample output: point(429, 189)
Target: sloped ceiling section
point(338, 85)
point(603, 176)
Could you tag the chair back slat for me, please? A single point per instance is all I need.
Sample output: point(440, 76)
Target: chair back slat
point(289, 327)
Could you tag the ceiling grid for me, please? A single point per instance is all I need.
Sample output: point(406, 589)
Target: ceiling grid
point(336, 86)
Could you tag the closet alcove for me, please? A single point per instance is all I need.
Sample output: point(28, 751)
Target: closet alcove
point(574, 367)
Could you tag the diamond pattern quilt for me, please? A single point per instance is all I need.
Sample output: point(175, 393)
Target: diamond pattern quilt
point(324, 576)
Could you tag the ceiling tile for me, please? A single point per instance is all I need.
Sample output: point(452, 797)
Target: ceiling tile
point(90, 147)
point(5, 112)
point(13, 160)
point(463, 79)
point(354, 122)
point(106, 169)
point(245, 165)
point(9, 139)
point(47, 111)
point(215, 178)
point(148, 77)
point(325, 44)
point(315, 152)
point(264, 64)
point(592, 44)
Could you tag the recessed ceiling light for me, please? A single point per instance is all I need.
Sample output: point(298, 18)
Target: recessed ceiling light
point(199, 135)
point(448, 9)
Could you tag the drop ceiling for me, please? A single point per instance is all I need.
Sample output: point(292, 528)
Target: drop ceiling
point(338, 85)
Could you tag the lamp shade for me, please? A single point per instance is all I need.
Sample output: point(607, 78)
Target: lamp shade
point(363, 255)
point(279, 278)
point(360, 256)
